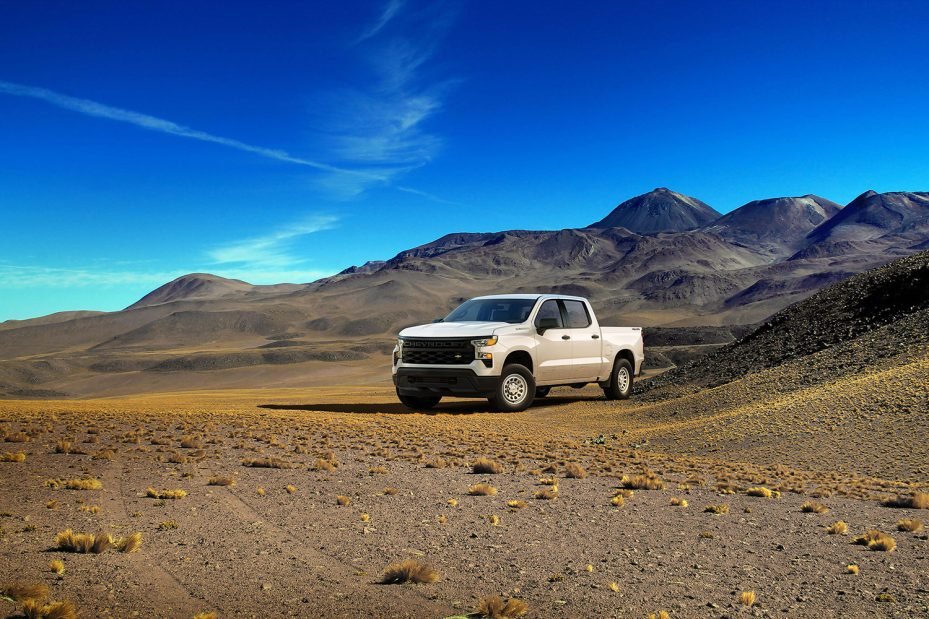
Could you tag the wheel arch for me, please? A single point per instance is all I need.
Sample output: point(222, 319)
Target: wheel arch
point(521, 357)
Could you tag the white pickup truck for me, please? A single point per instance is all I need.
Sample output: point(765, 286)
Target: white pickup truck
point(512, 349)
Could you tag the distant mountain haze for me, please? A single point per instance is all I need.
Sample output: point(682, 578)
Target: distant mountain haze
point(692, 268)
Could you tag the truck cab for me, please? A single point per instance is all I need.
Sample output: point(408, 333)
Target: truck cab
point(512, 349)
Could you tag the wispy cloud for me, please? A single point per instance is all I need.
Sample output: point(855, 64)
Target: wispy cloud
point(357, 177)
point(272, 250)
point(390, 10)
point(381, 127)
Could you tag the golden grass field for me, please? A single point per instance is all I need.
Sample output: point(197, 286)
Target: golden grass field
point(337, 501)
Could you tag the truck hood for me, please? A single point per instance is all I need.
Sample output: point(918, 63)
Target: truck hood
point(454, 329)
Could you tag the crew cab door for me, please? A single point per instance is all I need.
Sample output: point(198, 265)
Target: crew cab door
point(584, 331)
point(554, 348)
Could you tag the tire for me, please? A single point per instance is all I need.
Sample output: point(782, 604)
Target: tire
point(620, 385)
point(420, 403)
point(516, 389)
point(541, 392)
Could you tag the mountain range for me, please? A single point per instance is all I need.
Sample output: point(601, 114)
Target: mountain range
point(660, 259)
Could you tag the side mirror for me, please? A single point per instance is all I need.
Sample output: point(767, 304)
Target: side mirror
point(544, 324)
point(438, 320)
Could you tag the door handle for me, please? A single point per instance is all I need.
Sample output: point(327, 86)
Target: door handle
point(595, 336)
point(566, 337)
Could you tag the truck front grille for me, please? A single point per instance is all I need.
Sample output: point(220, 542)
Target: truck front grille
point(438, 352)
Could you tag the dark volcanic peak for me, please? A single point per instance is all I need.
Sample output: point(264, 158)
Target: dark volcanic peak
point(777, 222)
point(659, 210)
point(192, 286)
point(872, 215)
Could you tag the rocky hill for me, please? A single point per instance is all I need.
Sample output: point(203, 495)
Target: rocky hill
point(659, 210)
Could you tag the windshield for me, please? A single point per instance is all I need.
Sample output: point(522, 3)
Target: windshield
point(512, 311)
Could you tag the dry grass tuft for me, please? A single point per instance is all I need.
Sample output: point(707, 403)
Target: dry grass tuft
point(343, 500)
point(9, 456)
point(391, 491)
point(209, 615)
point(485, 465)
point(69, 541)
point(57, 566)
point(660, 614)
point(165, 494)
point(617, 501)
point(291, 489)
point(452, 502)
point(63, 447)
point(517, 504)
point(575, 470)
point(722, 508)
point(646, 481)
point(482, 490)
point(763, 492)
point(910, 525)
point(852, 568)
point(917, 500)
point(747, 598)
point(409, 571)
point(167, 525)
point(492, 607)
point(838, 528)
point(547, 494)
point(129, 544)
point(221, 481)
point(53, 610)
point(267, 463)
point(679, 502)
point(436, 463)
point(814, 507)
point(85, 483)
point(322, 464)
point(260, 491)
point(494, 520)
point(875, 540)
point(19, 591)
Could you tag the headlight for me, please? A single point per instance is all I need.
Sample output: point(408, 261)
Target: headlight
point(481, 344)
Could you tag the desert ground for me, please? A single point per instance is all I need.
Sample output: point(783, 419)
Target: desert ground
point(298, 501)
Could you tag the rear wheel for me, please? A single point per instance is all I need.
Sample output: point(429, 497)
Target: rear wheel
point(516, 389)
point(419, 402)
point(541, 392)
point(620, 385)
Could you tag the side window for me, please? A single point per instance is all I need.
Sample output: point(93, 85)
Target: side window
point(549, 310)
point(577, 315)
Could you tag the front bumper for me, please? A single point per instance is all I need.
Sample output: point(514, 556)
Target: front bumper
point(463, 382)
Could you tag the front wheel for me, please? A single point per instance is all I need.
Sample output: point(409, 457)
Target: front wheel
point(516, 389)
point(620, 385)
point(419, 402)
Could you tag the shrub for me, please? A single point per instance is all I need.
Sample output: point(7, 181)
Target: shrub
point(722, 508)
point(875, 540)
point(813, 507)
point(646, 481)
point(13, 457)
point(763, 492)
point(679, 502)
point(409, 571)
point(838, 528)
point(221, 481)
point(575, 470)
point(343, 500)
point(492, 607)
point(33, 609)
point(87, 483)
point(917, 500)
point(69, 541)
point(19, 591)
point(129, 544)
point(57, 566)
point(547, 494)
point(267, 463)
point(747, 598)
point(485, 465)
point(165, 494)
point(482, 490)
point(910, 525)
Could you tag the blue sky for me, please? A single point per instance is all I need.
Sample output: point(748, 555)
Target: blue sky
point(284, 142)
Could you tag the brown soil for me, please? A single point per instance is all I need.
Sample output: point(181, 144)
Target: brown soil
point(300, 553)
